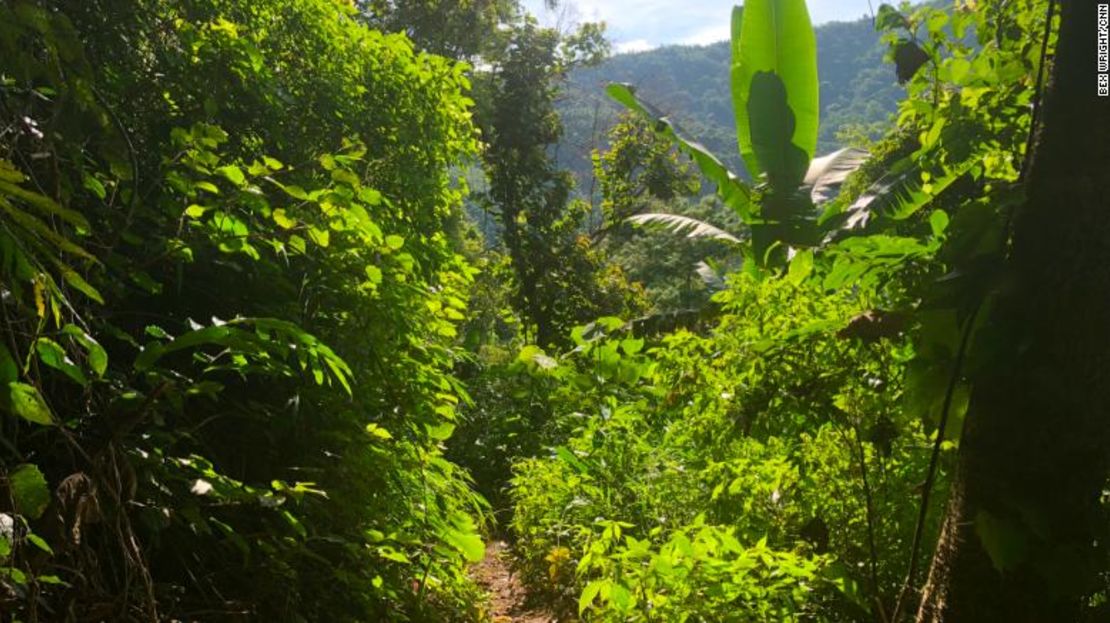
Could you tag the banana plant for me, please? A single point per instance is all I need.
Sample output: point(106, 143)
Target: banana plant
point(775, 100)
point(821, 184)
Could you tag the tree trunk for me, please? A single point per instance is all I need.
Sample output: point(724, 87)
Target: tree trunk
point(1021, 540)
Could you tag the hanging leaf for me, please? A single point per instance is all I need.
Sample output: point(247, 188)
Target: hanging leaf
point(29, 490)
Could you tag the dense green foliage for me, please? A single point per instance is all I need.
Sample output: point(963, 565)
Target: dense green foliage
point(787, 463)
point(199, 199)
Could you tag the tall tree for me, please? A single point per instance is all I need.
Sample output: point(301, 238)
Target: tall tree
point(460, 29)
point(557, 282)
point(1025, 531)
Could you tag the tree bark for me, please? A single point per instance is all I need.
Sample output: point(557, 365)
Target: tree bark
point(1033, 456)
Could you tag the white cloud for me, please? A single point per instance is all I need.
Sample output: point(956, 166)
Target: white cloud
point(709, 34)
point(661, 22)
point(635, 45)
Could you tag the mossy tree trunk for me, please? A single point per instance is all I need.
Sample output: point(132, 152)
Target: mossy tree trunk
point(1024, 516)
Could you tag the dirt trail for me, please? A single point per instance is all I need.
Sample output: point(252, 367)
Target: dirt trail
point(507, 596)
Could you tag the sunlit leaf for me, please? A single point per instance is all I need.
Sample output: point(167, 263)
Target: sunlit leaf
point(774, 89)
point(26, 402)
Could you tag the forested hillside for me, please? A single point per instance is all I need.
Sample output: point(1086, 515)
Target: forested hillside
point(691, 83)
point(361, 310)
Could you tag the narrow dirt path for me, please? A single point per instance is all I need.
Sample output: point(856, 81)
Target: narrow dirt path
point(507, 596)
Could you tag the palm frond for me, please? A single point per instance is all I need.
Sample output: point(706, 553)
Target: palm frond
point(902, 194)
point(827, 173)
point(691, 227)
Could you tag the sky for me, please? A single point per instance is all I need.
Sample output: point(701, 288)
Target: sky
point(637, 25)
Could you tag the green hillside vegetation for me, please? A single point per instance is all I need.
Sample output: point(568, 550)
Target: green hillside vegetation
point(859, 93)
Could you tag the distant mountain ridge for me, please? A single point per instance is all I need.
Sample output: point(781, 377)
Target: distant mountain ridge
point(691, 84)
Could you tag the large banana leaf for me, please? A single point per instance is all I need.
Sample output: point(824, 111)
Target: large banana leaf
point(774, 89)
point(901, 194)
point(827, 174)
point(692, 227)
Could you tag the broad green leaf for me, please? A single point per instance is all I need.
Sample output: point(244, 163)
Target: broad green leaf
point(632, 345)
point(54, 355)
point(282, 219)
point(533, 355)
point(800, 266)
point(195, 211)
point(441, 431)
point(14, 574)
point(390, 553)
point(620, 597)
point(43, 230)
point(374, 274)
point(889, 18)
point(29, 490)
point(377, 431)
point(589, 594)
point(207, 186)
point(394, 242)
point(295, 523)
point(320, 236)
point(154, 330)
point(469, 543)
point(462, 534)
point(26, 402)
point(296, 192)
point(233, 174)
point(46, 204)
point(774, 89)
point(938, 222)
